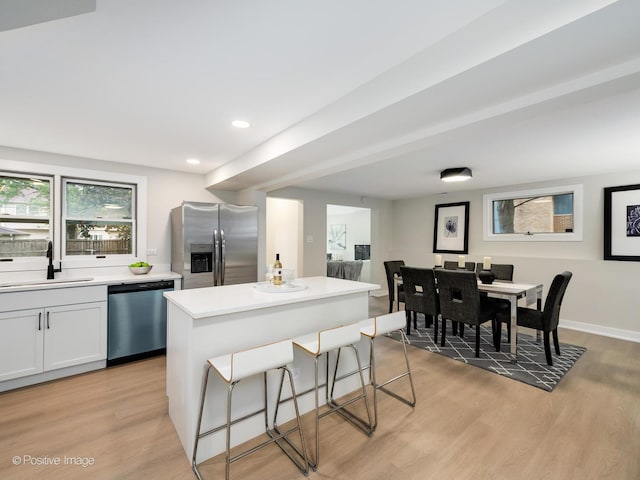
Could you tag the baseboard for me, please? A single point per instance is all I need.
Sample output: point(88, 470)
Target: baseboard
point(601, 330)
point(51, 375)
point(378, 293)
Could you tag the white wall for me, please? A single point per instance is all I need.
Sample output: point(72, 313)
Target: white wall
point(603, 296)
point(358, 228)
point(358, 232)
point(284, 233)
point(315, 229)
point(165, 189)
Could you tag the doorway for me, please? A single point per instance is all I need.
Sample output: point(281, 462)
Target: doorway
point(349, 236)
point(284, 233)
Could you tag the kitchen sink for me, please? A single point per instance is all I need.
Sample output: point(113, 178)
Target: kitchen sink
point(25, 283)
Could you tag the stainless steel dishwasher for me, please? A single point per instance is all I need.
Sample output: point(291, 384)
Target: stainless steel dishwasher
point(137, 319)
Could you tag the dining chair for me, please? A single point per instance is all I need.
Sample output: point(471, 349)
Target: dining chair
point(392, 268)
point(453, 265)
point(460, 301)
point(546, 319)
point(420, 300)
point(504, 272)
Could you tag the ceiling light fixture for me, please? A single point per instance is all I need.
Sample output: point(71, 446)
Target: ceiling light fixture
point(193, 161)
point(240, 124)
point(455, 174)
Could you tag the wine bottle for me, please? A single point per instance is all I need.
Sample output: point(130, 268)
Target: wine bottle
point(277, 271)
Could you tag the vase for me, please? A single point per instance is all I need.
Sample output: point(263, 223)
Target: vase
point(486, 276)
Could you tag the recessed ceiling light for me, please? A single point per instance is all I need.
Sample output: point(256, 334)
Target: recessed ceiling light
point(193, 161)
point(240, 124)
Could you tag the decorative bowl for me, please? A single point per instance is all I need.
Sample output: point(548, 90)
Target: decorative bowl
point(486, 277)
point(140, 270)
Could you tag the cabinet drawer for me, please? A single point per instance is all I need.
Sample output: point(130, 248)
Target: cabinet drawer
point(52, 297)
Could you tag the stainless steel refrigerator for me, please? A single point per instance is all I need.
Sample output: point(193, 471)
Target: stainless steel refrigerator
point(214, 244)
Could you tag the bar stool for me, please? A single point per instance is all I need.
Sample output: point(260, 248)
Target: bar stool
point(234, 367)
point(319, 344)
point(371, 329)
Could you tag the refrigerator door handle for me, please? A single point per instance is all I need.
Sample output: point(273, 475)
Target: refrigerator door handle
point(216, 260)
point(222, 256)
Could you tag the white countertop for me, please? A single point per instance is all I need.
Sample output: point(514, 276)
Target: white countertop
point(213, 301)
point(83, 281)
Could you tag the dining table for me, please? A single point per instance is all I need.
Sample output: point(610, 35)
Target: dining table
point(530, 293)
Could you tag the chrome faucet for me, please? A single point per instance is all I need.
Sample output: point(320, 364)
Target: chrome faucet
point(50, 269)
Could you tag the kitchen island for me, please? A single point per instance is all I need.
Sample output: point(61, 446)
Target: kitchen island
point(206, 322)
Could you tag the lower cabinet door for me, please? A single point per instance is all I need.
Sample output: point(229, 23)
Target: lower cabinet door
point(75, 334)
point(21, 340)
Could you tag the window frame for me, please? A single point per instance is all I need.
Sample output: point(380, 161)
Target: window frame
point(64, 218)
point(26, 264)
point(575, 236)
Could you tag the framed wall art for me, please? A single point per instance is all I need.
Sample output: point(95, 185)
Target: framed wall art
point(337, 237)
point(451, 228)
point(622, 223)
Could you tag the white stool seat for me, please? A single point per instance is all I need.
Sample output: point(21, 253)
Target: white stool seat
point(383, 324)
point(319, 344)
point(236, 366)
point(326, 340)
point(371, 328)
point(368, 327)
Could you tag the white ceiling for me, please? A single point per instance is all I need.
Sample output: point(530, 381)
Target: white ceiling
point(368, 97)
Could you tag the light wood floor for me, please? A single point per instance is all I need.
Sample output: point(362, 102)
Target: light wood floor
point(468, 424)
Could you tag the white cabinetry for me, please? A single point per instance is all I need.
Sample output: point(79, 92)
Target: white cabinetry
point(75, 334)
point(21, 349)
point(68, 328)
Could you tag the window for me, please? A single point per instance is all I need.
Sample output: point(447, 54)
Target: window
point(547, 214)
point(25, 215)
point(98, 218)
point(93, 218)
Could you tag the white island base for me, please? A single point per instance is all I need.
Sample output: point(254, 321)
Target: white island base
point(206, 322)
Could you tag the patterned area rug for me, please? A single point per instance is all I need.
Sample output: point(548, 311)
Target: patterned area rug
point(531, 368)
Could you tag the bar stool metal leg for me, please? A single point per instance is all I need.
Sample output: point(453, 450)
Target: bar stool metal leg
point(371, 329)
point(199, 426)
point(232, 368)
point(376, 386)
point(318, 345)
point(333, 406)
point(227, 453)
point(365, 425)
point(302, 453)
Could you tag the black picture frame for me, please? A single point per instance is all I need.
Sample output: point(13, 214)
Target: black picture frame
point(621, 234)
point(450, 219)
point(362, 252)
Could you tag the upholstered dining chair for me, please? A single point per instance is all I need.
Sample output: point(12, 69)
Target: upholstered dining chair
point(451, 265)
point(546, 319)
point(420, 300)
point(460, 301)
point(502, 271)
point(392, 268)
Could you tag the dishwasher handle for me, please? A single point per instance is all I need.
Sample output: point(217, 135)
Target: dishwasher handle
point(140, 287)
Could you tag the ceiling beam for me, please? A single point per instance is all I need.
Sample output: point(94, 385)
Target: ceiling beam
point(23, 13)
